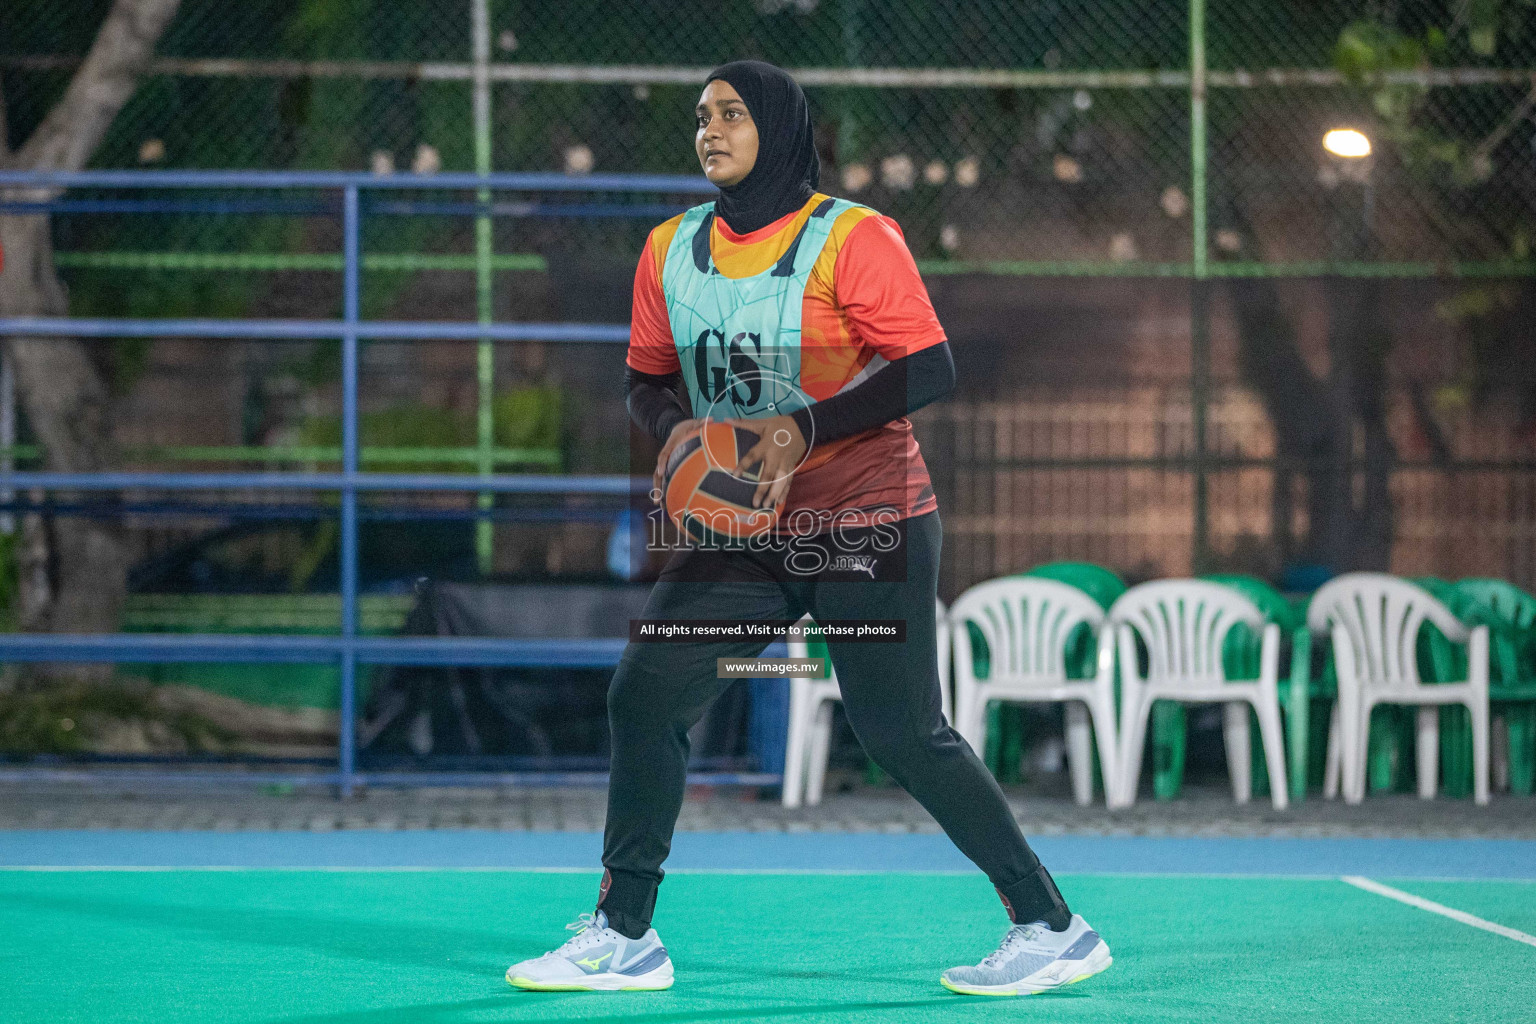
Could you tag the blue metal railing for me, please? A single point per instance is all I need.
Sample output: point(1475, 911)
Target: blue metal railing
point(349, 649)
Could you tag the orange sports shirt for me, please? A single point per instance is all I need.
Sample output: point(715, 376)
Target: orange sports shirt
point(864, 298)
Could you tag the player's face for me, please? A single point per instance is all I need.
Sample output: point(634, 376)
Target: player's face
point(727, 139)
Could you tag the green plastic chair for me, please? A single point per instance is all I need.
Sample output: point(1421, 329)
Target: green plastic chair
point(1511, 613)
point(1170, 626)
point(1323, 689)
point(1005, 722)
point(1168, 728)
point(1103, 585)
point(1296, 691)
point(1099, 583)
point(1511, 604)
point(1392, 735)
point(1393, 729)
point(1439, 659)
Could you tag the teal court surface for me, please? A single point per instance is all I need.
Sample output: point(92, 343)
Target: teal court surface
point(403, 927)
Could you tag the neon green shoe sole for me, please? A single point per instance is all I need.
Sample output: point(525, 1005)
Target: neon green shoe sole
point(1026, 988)
point(597, 983)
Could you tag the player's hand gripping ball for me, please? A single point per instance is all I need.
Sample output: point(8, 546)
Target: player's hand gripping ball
point(703, 497)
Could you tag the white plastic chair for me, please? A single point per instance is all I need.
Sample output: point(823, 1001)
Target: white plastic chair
point(1374, 620)
point(1026, 623)
point(1184, 626)
point(810, 719)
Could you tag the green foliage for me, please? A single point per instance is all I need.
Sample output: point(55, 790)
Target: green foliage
point(1366, 50)
point(327, 535)
point(159, 293)
point(527, 416)
point(404, 425)
point(1482, 17)
point(68, 719)
point(327, 28)
point(1520, 243)
point(322, 123)
point(10, 582)
point(319, 365)
point(1494, 343)
point(1476, 301)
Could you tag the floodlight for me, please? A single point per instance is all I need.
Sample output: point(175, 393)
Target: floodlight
point(1347, 142)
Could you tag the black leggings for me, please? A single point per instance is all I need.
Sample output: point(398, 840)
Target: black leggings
point(890, 693)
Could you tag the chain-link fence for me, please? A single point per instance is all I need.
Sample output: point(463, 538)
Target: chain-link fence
point(994, 131)
point(1175, 142)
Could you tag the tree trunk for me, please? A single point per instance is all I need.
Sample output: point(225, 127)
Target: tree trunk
point(67, 402)
point(1314, 419)
point(1358, 344)
point(1311, 423)
point(73, 570)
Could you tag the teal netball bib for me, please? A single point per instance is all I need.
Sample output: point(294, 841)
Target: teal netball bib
point(738, 339)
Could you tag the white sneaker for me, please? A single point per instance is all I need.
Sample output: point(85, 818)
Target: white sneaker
point(597, 959)
point(1033, 959)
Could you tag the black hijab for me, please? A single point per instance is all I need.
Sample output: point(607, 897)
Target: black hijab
point(787, 170)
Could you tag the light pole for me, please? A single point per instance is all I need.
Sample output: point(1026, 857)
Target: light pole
point(1349, 160)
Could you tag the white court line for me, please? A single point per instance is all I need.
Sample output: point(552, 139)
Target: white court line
point(1438, 908)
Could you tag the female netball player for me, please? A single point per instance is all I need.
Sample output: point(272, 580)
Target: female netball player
point(802, 318)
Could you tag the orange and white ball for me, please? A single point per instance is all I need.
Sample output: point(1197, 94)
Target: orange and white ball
point(702, 496)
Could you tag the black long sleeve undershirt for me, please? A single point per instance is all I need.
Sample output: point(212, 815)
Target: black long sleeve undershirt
point(902, 386)
point(654, 401)
point(896, 389)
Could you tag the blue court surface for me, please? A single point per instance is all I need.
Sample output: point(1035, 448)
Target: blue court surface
point(770, 851)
